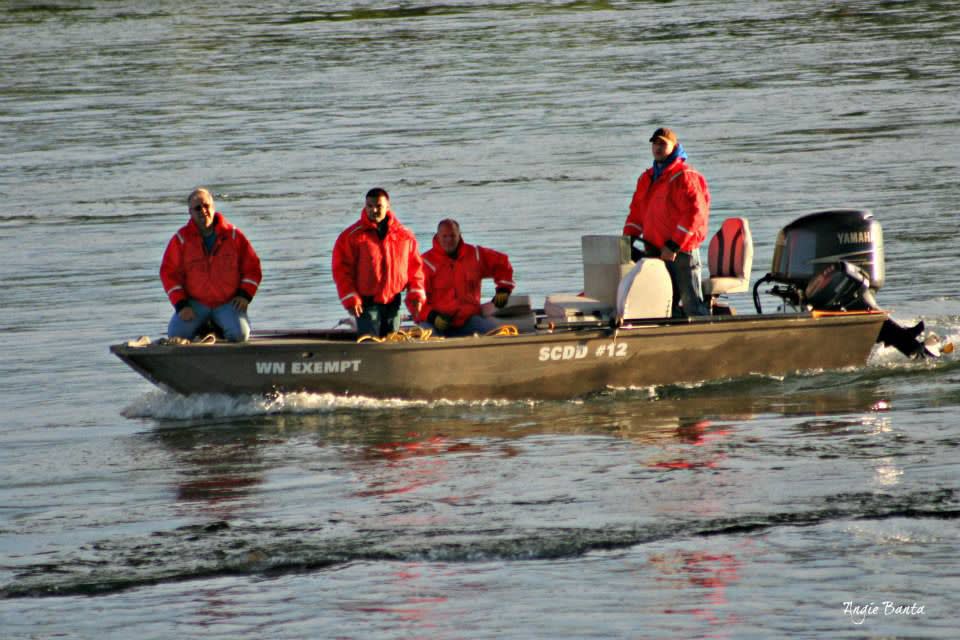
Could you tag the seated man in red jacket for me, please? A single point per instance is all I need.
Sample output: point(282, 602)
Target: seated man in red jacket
point(374, 259)
point(210, 273)
point(453, 271)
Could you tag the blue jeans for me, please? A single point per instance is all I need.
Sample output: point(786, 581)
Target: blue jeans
point(475, 324)
point(685, 276)
point(233, 323)
point(379, 319)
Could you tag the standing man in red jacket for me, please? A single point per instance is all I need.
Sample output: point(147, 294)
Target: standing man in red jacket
point(670, 209)
point(375, 259)
point(454, 270)
point(210, 273)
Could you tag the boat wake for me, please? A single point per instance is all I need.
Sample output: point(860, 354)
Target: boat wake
point(942, 333)
point(241, 547)
point(161, 405)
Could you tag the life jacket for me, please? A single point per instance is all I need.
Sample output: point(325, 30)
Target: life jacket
point(367, 267)
point(453, 284)
point(672, 211)
point(230, 269)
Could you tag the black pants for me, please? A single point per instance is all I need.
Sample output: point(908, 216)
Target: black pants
point(379, 319)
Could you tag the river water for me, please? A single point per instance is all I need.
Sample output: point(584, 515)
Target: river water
point(822, 504)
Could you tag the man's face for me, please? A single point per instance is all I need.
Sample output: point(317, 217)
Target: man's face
point(449, 237)
point(377, 208)
point(201, 211)
point(661, 149)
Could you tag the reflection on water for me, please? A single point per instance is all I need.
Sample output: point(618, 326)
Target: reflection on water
point(677, 428)
point(407, 597)
point(887, 473)
point(388, 470)
point(701, 579)
point(218, 469)
point(702, 435)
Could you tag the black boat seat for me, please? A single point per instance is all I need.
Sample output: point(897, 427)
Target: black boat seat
point(730, 259)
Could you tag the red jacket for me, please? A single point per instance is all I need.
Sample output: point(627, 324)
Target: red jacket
point(368, 267)
point(673, 211)
point(453, 284)
point(231, 269)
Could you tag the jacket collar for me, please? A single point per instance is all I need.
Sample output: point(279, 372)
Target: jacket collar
point(460, 248)
point(367, 223)
point(221, 226)
point(678, 155)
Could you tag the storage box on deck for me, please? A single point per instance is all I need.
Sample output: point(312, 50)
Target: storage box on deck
point(517, 305)
point(517, 312)
point(569, 308)
point(606, 260)
point(524, 323)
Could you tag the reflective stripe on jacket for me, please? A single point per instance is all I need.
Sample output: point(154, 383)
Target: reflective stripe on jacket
point(231, 269)
point(365, 266)
point(673, 211)
point(453, 284)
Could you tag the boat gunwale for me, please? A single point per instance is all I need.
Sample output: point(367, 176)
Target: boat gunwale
point(592, 331)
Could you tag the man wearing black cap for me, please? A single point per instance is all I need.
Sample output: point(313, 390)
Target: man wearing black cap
point(670, 209)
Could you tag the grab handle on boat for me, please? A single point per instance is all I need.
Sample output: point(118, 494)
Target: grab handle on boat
point(756, 292)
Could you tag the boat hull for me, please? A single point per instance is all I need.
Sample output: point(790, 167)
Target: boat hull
point(544, 365)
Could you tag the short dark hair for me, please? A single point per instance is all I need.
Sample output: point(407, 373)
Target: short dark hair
point(450, 221)
point(376, 192)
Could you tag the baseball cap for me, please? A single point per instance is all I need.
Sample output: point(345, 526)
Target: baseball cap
point(667, 134)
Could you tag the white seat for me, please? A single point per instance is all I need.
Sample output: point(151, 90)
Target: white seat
point(730, 259)
point(646, 291)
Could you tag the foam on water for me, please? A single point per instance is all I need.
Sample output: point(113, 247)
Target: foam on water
point(946, 328)
point(171, 406)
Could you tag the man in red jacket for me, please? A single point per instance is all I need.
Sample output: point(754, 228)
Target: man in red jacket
point(454, 270)
point(670, 209)
point(210, 273)
point(374, 260)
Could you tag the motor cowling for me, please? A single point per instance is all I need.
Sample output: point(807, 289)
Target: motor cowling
point(810, 244)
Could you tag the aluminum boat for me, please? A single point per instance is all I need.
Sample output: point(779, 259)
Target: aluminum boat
point(616, 334)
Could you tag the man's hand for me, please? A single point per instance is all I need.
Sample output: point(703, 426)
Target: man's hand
point(357, 307)
point(667, 256)
point(500, 299)
point(186, 314)
point(439, 321)
point(240, 304)
point(635, 252)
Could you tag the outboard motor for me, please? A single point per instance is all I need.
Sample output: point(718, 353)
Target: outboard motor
point(840, 287)
point(814, 243)
point(833, 261)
